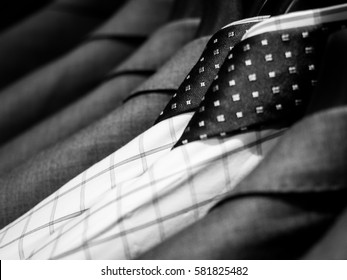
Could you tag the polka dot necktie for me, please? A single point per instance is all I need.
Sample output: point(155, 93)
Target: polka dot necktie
point(266, 81)
point(195, 85)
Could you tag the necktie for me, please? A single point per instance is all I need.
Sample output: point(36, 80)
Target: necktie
point(107, 175)
point(133, 160)
point(285, 206)
point(170, 75)
point(266, 81)
point(193, 88)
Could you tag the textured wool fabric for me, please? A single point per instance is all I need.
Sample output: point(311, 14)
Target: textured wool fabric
point(58, 83)
point(138, 188)
point(332, 93)
point(170, 179)
point(126, 198)
point(133, 200)
point(282, 207)
point(289, 201)
point(332, 245)
point(107, 97)
point(47, 34)
point(37, 178)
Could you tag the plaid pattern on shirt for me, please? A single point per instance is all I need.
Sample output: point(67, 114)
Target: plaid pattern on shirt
point(138, 196)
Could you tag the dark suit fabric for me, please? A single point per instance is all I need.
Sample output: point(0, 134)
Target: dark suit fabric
point(283, 207)
point(64, 80)
point(107, 97)
point(332, 245)
point(48, 33)
point(34, 180)
point(332, 93)
point(10, 14)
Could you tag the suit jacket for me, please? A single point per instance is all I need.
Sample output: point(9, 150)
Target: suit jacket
point(282, 207)
point(129, 168)
point(42, 175)
point(332, 93)
point(47, 34)
point(58, 83)
point(285, 207)
point(332, 245)
point(151, 177)
point(107, 97)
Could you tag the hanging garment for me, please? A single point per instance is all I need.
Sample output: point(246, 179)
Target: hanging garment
point(283, 207)
point(133, 194)
point(53, 86)
point(118, 84)
point(161, 133)
point(49, 33)
point(45, 173)
point(332, 93)
point(287, 204)
point(331, 246)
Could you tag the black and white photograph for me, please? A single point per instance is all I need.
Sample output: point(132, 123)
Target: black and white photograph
point(210, 130)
